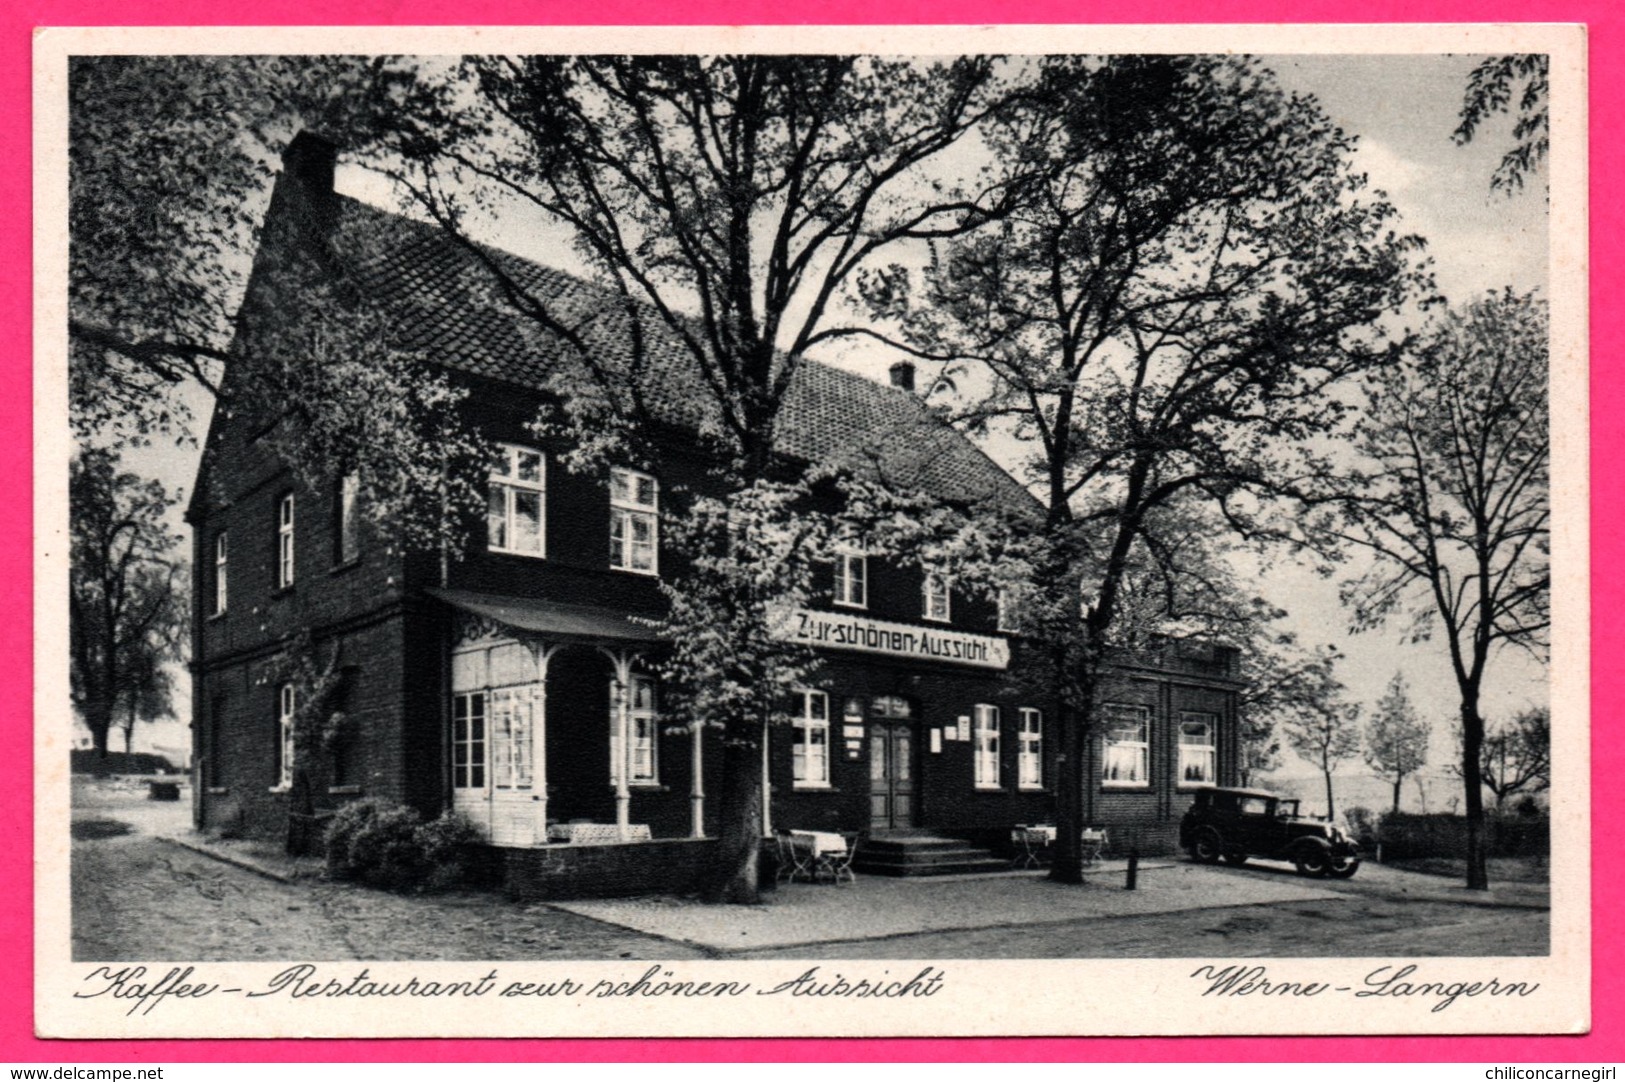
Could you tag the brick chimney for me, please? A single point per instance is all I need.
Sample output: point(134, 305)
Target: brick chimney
point(902, 375)
point(306, 185)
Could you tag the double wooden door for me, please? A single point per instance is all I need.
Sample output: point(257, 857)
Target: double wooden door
point(891, 776)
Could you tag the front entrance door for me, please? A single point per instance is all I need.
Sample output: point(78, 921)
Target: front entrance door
point(493, 756)
point(891, 776)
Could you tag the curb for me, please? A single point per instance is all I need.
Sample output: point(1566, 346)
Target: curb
point(245, 863)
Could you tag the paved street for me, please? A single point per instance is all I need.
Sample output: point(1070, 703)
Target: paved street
point(135, 896)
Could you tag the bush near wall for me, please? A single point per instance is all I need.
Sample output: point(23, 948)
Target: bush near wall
point(1408, 836)
point(385, 844)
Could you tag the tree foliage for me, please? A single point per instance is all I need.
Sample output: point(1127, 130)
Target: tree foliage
point(1492, 88)
point(1318, 723)
point(1189, 269)
point(168, 161)
point(1396, 738)
point(127, 612)
point(1453, 503)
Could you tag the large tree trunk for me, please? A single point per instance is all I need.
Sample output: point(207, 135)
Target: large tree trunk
point(1472, 743)
point(739, 843)
point(99, 720)
point(1070, 785)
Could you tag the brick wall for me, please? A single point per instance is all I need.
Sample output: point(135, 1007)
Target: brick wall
point(560, 872)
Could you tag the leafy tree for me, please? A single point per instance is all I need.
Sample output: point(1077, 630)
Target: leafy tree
point(1191, 268)
point(1490, 92)
point(726, 203)
point(1319, 725)
point(149, 694)
point(1516, 757)
point(1453, 504)
point(168, 161)
point(1396, 739)
point(126, 607)
point(1283, 680)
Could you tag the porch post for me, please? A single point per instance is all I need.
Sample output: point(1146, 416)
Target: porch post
point(622, 661)
point(767, 788)
point(696, 787)
point(538, 751)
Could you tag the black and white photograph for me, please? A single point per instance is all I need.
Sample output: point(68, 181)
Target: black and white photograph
point(902, 532)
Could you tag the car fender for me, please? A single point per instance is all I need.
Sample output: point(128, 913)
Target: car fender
point(1299, 845)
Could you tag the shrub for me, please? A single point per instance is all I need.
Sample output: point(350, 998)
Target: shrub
point(1364, 824)
point(385, 844)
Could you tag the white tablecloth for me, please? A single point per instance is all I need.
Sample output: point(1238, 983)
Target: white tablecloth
point(1048, 833)
point(819, 841)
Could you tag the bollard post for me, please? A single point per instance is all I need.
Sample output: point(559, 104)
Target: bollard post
point(1133, 869)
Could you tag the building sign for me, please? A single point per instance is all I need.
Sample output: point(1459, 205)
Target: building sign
point(841, 631)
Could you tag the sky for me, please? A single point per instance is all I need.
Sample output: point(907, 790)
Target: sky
point(1403, 110)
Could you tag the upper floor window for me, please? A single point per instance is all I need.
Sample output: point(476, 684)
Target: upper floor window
point(1126, 745)
point(634, 521)
point(1198, 757)
point(516, 502)
point(284, 541)
point(347, 519)
point(852, 579)
point(809, 755)
point(936, 599)
point(220, 554)
point(985, 749)
point(285, 705)
point(1030, 753)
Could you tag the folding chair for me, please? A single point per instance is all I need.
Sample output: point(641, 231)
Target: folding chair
point(1027, 843)
point(839, 865)
point(1094, 844)
point(794, 861)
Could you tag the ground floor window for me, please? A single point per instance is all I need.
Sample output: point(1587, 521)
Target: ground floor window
point(1126, 757)
point(284, 723)
point(468, 740)
point(1198, 758)
point(642, 728)
point(1030, 753)
point(985, 737)
point(809, 755)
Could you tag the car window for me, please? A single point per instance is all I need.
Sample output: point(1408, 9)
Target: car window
point(1253, 805)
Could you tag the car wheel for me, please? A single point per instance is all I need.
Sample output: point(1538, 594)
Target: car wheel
point(1312, 862)
point(1343, 867)
point(1236, 859)
point(1209, 847)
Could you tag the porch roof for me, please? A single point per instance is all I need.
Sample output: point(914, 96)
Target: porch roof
point(579, 622)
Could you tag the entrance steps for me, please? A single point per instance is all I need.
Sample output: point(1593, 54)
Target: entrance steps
point(919, 852)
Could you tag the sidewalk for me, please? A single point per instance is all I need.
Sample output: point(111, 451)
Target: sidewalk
point(261, 858)
point(799, 914)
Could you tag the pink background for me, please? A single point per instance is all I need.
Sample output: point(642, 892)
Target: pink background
point(1607, 143)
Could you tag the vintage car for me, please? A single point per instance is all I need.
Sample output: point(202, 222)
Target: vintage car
point(1234, 824)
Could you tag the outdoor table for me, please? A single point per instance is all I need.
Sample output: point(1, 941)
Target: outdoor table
point(1046, 831)
point(819, 842)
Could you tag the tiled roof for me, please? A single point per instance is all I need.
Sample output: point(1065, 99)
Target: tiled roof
point(447, 307)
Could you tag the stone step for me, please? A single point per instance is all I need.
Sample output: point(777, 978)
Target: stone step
point(924, 854)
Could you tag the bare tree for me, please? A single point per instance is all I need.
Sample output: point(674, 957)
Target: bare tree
point(1396, 739)
point(1453, 504)
point(1516, 756)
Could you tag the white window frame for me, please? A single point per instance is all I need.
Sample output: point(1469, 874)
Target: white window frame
point(1206, 756)
point(936, 599)
point(624, 509)
point(347, 528)
point(641, 724)
point(285, 569)
point(468, 707)
point(222, 552)
point(985, 750)
point(509, 485)
point(1118, 717)
point(287, 705)
point(1030, 749)
point(810, 758)
point(851, 590)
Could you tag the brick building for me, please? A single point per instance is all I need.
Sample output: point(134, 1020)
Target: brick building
point(515, 684)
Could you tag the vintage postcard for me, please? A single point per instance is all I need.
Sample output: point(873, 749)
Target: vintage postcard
point(926, 531)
